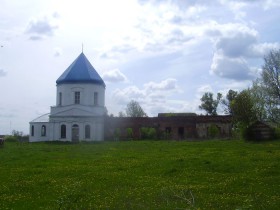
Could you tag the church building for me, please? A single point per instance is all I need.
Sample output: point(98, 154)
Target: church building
point(80, 107)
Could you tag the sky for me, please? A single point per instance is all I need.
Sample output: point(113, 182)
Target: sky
point(165, 54)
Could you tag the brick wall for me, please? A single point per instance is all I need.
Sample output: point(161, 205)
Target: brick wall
point(171, 127)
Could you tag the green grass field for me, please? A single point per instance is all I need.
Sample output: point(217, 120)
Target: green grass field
point(140, 175)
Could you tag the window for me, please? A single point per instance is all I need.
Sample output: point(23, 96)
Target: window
point(60, 99)
point(87, 131)
point(32, 130)
point(63, 131)
point(43, 130)
point(77, 98)
point(95, 102)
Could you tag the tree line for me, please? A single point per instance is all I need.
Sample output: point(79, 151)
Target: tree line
point(260, 102)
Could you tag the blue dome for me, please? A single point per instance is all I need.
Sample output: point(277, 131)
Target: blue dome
point(80, 71)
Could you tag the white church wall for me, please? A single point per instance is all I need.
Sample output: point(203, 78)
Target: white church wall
point(99, 128)
point(40, 131)
point(95, 123)
point(67, 92)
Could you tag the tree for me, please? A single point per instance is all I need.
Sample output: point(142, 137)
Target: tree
point(270, 85)
point(209, 104)
point(121, 114)
point(133, 109)
point(243, 109)
point(17, 133)
point(271, 74)
point(231, 95)
point(259, 96)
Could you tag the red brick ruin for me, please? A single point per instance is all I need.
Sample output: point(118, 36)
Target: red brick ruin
point(179, 126)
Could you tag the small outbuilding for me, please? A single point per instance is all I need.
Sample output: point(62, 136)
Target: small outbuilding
point(259, 131)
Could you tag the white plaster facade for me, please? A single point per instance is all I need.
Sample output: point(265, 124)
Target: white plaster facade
point(79, 110)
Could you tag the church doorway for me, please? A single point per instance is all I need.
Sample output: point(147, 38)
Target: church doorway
point(75, 133)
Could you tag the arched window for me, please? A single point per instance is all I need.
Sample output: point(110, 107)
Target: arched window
point(43, 130)
point(87, 131)
point(63, 131)
point(32, 130)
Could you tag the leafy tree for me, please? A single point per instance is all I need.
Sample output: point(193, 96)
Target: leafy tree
point(271, 74)
point(243, 109)
point(231, 95)
point(270, 85)
point(134, 109)
point(209, 104)
point(258, 95)
point(17, 133)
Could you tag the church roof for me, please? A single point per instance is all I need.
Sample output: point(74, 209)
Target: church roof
point(80, 71)
point(43, 118)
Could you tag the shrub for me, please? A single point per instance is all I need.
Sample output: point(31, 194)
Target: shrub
point(117, 134)
point(148, 133)
point(129, 133)
point(277, 133)
point(213, 131)
point(11, 138)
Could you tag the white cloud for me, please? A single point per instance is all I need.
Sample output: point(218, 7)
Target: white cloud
point(231, 68)
point(123, 96)
point(42, 27)
point(169, 84)
point(237, 44)
point(153, 96)
point(268, 4)
point(203, 89)
point(261, 49)
point(2, 73)
point(114, 75)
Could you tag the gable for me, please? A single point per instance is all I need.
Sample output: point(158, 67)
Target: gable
point(75, 112)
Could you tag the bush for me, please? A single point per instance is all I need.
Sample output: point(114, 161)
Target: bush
point(129, 133)
point(117, 134)
point(277, 133)
point(148, 133)
point(11, 139)
point(213, 131)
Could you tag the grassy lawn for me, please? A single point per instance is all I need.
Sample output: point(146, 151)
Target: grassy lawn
point(140, 175)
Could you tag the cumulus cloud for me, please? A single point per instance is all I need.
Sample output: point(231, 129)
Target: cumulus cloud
point(123, 96)
point(152, 96)
point(114, 75)
point(234, 47)
point(42, 27)
point(169, 84)
point(2, 73)
point(203, 89)
point(261, 49)
point(231, 68)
